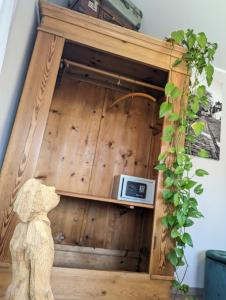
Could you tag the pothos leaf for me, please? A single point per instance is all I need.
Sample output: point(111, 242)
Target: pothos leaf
point(162, 156)
point(172, 149)
point(195, 105)
point(191, 40)
point(201, 172)
point(177, 62)
point(182, 129)
point(169, 130)
point(181, 218)
point(203, 153)
point(167, 138)
point(209, 74)
point(198, 127)
point(165, 108)
point(179, 170)
point(198, 189)
point(188, 223)
point(188, 166)
point(180, 252)
point(194, 213)
point(168, 181)
point(165, 221)
point(178, 36)
point(184, 289)
point(176, 284)
point(180, 263)
point(193, 202)
point(171, 90)
point(173, 117)
point(171, 220)
point(191, 115)
point(202, 40)
point(174, 233)
point(167, 194)
point(189, 184)
point(175, 93)
point(160, 167)
point(186, 238)
point(176, 199)
point(172, 257)
point(201, 91)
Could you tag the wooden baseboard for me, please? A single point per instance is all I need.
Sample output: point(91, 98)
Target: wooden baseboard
point(77, 284)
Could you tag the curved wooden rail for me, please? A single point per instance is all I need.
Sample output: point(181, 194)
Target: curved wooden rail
point(133, 95)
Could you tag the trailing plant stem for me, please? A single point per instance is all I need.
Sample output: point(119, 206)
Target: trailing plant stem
point(180, 189)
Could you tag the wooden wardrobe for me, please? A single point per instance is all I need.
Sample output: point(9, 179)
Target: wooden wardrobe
point(70, 133)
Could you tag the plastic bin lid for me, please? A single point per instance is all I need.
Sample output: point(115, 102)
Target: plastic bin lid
point(217, 255)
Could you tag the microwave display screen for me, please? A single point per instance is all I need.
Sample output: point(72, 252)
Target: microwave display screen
point(136, 189)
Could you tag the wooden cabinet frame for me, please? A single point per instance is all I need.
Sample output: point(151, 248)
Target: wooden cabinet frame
point(59, 24)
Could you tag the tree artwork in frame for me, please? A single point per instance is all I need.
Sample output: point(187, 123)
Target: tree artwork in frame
point(207, 144)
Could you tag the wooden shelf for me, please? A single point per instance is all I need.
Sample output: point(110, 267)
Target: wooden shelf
point(104, 199)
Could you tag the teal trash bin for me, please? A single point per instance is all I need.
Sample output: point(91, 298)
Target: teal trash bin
point(215, 275)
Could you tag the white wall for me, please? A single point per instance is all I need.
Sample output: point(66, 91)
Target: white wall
point(18, 52)
point(17, 56)
point(160, 18)
point(7, 10)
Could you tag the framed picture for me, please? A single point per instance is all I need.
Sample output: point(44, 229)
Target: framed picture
point(211, 115)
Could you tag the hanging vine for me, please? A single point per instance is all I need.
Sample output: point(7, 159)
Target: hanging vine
point(181, 186)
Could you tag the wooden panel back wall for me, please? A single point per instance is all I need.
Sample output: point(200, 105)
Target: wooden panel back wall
point(80, 222)
point(86, 143)
point(123, 234)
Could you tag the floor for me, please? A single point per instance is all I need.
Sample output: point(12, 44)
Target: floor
point(180, 297)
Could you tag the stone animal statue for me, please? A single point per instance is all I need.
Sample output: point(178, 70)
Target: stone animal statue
point(32, 246)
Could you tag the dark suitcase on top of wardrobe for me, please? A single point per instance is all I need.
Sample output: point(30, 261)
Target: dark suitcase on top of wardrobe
point(120, 12)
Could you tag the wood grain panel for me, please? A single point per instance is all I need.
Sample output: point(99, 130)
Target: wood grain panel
point(96, 258)
point(25, 141)
point(104, 199)
point(109, 37)
point(107, 28)
point(70, 138)
point(155, 143)
point(79, 222)
point(77, 284)
point(67, 220)
point(117, 46)
point(115, 64)
point(123, 144)
point(113, 227)
point(161, 242)
point(86, 143)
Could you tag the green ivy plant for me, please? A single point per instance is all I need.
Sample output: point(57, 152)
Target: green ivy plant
point(181, 187)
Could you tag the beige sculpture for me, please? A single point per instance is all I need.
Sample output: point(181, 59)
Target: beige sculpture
point(32, 247)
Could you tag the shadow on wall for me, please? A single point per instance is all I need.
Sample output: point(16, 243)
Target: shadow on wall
point(200, 267)
point(18, 52)
point(60, 2)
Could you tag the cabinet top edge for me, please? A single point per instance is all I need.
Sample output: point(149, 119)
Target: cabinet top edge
point(75, 18)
